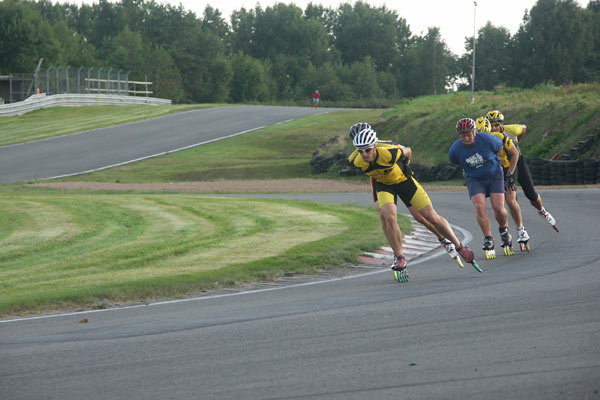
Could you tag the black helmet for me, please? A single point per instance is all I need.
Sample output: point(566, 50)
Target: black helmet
point(359, 126)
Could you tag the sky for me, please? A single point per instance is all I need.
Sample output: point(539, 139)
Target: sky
point(455, 18)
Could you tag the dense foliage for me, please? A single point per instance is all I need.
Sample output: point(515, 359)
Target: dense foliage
point(355, 54)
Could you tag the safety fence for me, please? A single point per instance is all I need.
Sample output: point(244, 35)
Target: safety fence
point(69, 80)
point(38, 101)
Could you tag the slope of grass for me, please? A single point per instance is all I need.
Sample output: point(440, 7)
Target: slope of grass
point(557, 118)
point(85, 249)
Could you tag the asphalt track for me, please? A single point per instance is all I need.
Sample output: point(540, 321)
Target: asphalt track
point(528, 327)
point(105, 147)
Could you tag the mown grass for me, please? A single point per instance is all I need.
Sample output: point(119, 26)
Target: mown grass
point(81, 249)
point(57, 121)
point(76, 249)
point(557, 118)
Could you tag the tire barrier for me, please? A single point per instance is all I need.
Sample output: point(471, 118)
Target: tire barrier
point(564, 172)
point(543, 172)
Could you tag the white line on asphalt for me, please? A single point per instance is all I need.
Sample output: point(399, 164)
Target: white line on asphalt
point(467, 238)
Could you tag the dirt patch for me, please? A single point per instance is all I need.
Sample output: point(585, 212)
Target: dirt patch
point(249, 186)
point(259, 186)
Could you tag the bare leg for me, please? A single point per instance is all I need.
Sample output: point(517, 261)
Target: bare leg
point(391, 229)
point(440, 225)
point(423, 221)
point(483, 220)
point(514, 208)
point(497, 200)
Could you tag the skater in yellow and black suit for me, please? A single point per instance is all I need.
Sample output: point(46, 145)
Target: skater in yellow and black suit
point(387, 165)
point(516, 132)
point(509, 152)
point(448, 245)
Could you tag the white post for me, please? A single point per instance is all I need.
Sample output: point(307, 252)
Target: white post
point(474, 43)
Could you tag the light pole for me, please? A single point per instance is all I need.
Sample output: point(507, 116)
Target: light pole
point(474, 43)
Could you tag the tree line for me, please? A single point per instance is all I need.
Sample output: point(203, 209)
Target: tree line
point(282, 53)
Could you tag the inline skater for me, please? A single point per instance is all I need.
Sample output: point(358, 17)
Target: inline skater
point(478, 154)
point(508, 151)
point(388, 166)
point(448, 245)
point(517, 132)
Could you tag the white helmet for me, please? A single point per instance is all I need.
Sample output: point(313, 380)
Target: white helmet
point(365, 139)
point(356, 128)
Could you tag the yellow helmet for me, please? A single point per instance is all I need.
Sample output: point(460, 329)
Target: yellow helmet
point(483, 125)
point(495, 116)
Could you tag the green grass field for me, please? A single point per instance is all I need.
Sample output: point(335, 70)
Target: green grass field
point(82, 249)
point(87, 249)
point(72, 249)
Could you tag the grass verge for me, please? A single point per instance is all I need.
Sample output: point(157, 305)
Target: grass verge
point(63, 250)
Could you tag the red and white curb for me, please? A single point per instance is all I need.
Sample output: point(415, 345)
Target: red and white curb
point(420, 242)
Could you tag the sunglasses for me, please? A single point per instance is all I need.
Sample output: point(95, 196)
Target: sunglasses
point(366, 150)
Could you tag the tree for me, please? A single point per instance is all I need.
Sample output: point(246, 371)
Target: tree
point(493, 57)
point(248, 82)
point(25, 37)
point(553, 43)
point(429, 65)
point(363, 31)
point(127, 51)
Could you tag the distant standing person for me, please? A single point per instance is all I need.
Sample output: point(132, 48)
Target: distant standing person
point(516, 132)
point(478, 154)
point(316, 97)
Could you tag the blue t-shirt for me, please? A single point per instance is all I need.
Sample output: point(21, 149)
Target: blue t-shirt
point(479, 160)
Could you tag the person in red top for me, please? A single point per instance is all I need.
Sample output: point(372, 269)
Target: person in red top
point(316, 97)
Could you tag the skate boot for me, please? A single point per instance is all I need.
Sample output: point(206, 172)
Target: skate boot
point(506, 241)
point(399, 269)
point(523, 239)
point(548, 218)
point(488, 248)
point(468, 256)
point(451, 250)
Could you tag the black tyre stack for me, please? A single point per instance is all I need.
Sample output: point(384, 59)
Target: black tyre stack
point(571, 172)
point(535, 168)
point(590, 172)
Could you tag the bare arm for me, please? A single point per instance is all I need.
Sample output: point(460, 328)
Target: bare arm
point(522, 135)
point(513, 154)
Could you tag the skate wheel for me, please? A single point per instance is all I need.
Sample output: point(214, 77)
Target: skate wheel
point(555, 228)
point(525, 246)
point(459, 262)
point(476, 266)
point(401, 276)
point(508, 251)
point(490, 254)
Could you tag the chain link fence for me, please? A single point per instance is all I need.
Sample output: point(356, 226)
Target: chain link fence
point(69, 80)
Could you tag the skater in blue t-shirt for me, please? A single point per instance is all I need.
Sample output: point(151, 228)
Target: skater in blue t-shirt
point(478, 154)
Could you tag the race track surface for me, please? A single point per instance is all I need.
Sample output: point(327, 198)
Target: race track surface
point(528, 327)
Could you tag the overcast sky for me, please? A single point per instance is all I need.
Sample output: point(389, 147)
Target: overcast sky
point(453, 17)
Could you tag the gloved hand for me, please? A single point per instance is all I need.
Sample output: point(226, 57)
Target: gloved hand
point(509, 181)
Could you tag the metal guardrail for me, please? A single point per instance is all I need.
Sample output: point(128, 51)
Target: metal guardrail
point(38, 101)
